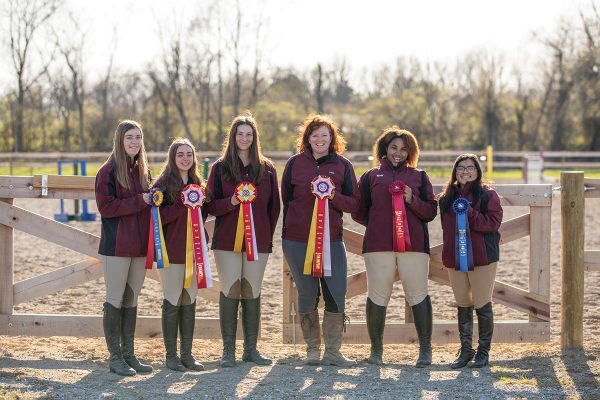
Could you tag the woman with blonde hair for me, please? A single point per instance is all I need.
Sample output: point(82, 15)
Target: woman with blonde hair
point(245, 201)
point(123, 203)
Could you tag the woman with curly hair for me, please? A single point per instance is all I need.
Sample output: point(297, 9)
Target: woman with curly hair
point(317, 187)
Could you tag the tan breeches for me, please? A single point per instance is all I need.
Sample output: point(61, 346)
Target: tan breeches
point(240, 278)
point(172, 280)
point(123, 277)
point(412, 267)
point(473, 288)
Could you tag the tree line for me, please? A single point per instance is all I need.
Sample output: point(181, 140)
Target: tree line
point(216, 66)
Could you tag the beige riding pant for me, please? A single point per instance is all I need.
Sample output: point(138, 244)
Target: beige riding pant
point(123, 277)
point(413, 268)
point(240, 278)
point(473, 288)
point(172, 280)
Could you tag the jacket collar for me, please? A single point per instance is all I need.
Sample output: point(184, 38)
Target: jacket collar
point(331, 157)
point(387, 165)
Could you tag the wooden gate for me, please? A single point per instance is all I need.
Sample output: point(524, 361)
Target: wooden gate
point(535, 302)
point(11, 293)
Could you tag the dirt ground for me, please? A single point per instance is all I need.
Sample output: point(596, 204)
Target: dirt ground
point(76, 368)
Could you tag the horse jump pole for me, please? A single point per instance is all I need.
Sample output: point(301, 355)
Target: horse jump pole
point(572, 209)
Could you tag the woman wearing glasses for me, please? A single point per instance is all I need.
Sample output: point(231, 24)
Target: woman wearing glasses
point(471, 216)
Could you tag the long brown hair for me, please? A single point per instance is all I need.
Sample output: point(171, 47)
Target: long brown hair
point(313, 122)
point(170, 178)
point(119, 157)
point(410, 141)
point(449, 194)
point(231, 163)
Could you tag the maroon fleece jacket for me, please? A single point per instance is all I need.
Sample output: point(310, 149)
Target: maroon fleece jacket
point(298, 201)
point(484, 218)
point(124, 214)
point(376, 210)
point(265, 209)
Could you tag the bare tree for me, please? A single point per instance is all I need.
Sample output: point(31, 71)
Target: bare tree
point(319, 88)
point(70, 39)
point(25, 18)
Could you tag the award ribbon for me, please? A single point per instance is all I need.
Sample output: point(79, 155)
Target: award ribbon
point(463, 246)
point(196, 251)
point(246, 193)
point(401, 234)
point(157, 250)
point(318, 250)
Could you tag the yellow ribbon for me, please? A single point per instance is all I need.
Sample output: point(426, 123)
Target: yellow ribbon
point(239, 233)
point(310, 248)
point(163, 243)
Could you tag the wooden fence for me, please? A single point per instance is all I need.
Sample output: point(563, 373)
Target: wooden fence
point(575, 261)
point(534, 302)
point(13, 293)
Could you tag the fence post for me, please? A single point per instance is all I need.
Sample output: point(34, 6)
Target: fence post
point(6, 267)
point(572, 210)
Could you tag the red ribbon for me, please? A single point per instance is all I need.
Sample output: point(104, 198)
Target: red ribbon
point(401, 234)
point(320, 238)
point(198, 256)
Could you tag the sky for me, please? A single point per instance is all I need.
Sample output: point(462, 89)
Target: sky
point(303, 32)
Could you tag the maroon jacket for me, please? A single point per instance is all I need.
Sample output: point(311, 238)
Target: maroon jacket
point(265, 209)
point(174, 223)
point(376, 211)
point(484, 218)
point(298, 201)
point(124, 214)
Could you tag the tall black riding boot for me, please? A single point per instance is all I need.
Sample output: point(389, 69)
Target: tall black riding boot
point(187, 320)
point(375, 325)
point(228, 314)
point(423, 316)
point(250, 325)
point(465, 330)
point(111, 322)
point(485, 320)
point(170, 322)
point(128, 321)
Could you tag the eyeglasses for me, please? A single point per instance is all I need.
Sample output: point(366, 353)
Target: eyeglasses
point(461, 169)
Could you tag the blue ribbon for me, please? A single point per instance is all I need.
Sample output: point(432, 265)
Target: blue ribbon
point(463, 246)
point(158, 250)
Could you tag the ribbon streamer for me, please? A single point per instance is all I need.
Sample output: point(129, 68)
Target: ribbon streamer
point(463, 246)
point(196, 250)
point(246, 193)
point(157, 250)
point(318, 251)
point(401, 233)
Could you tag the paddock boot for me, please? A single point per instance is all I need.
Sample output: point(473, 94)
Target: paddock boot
point(111, 321)
point(465, 330)
point(375, 325)
point(187, 320)
point(170, 322)
point(311, 330)
point(228, 315)
point(250, 325)
point(333, 327)
point(423, 317)
point(485, 320)
point(128, 321)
